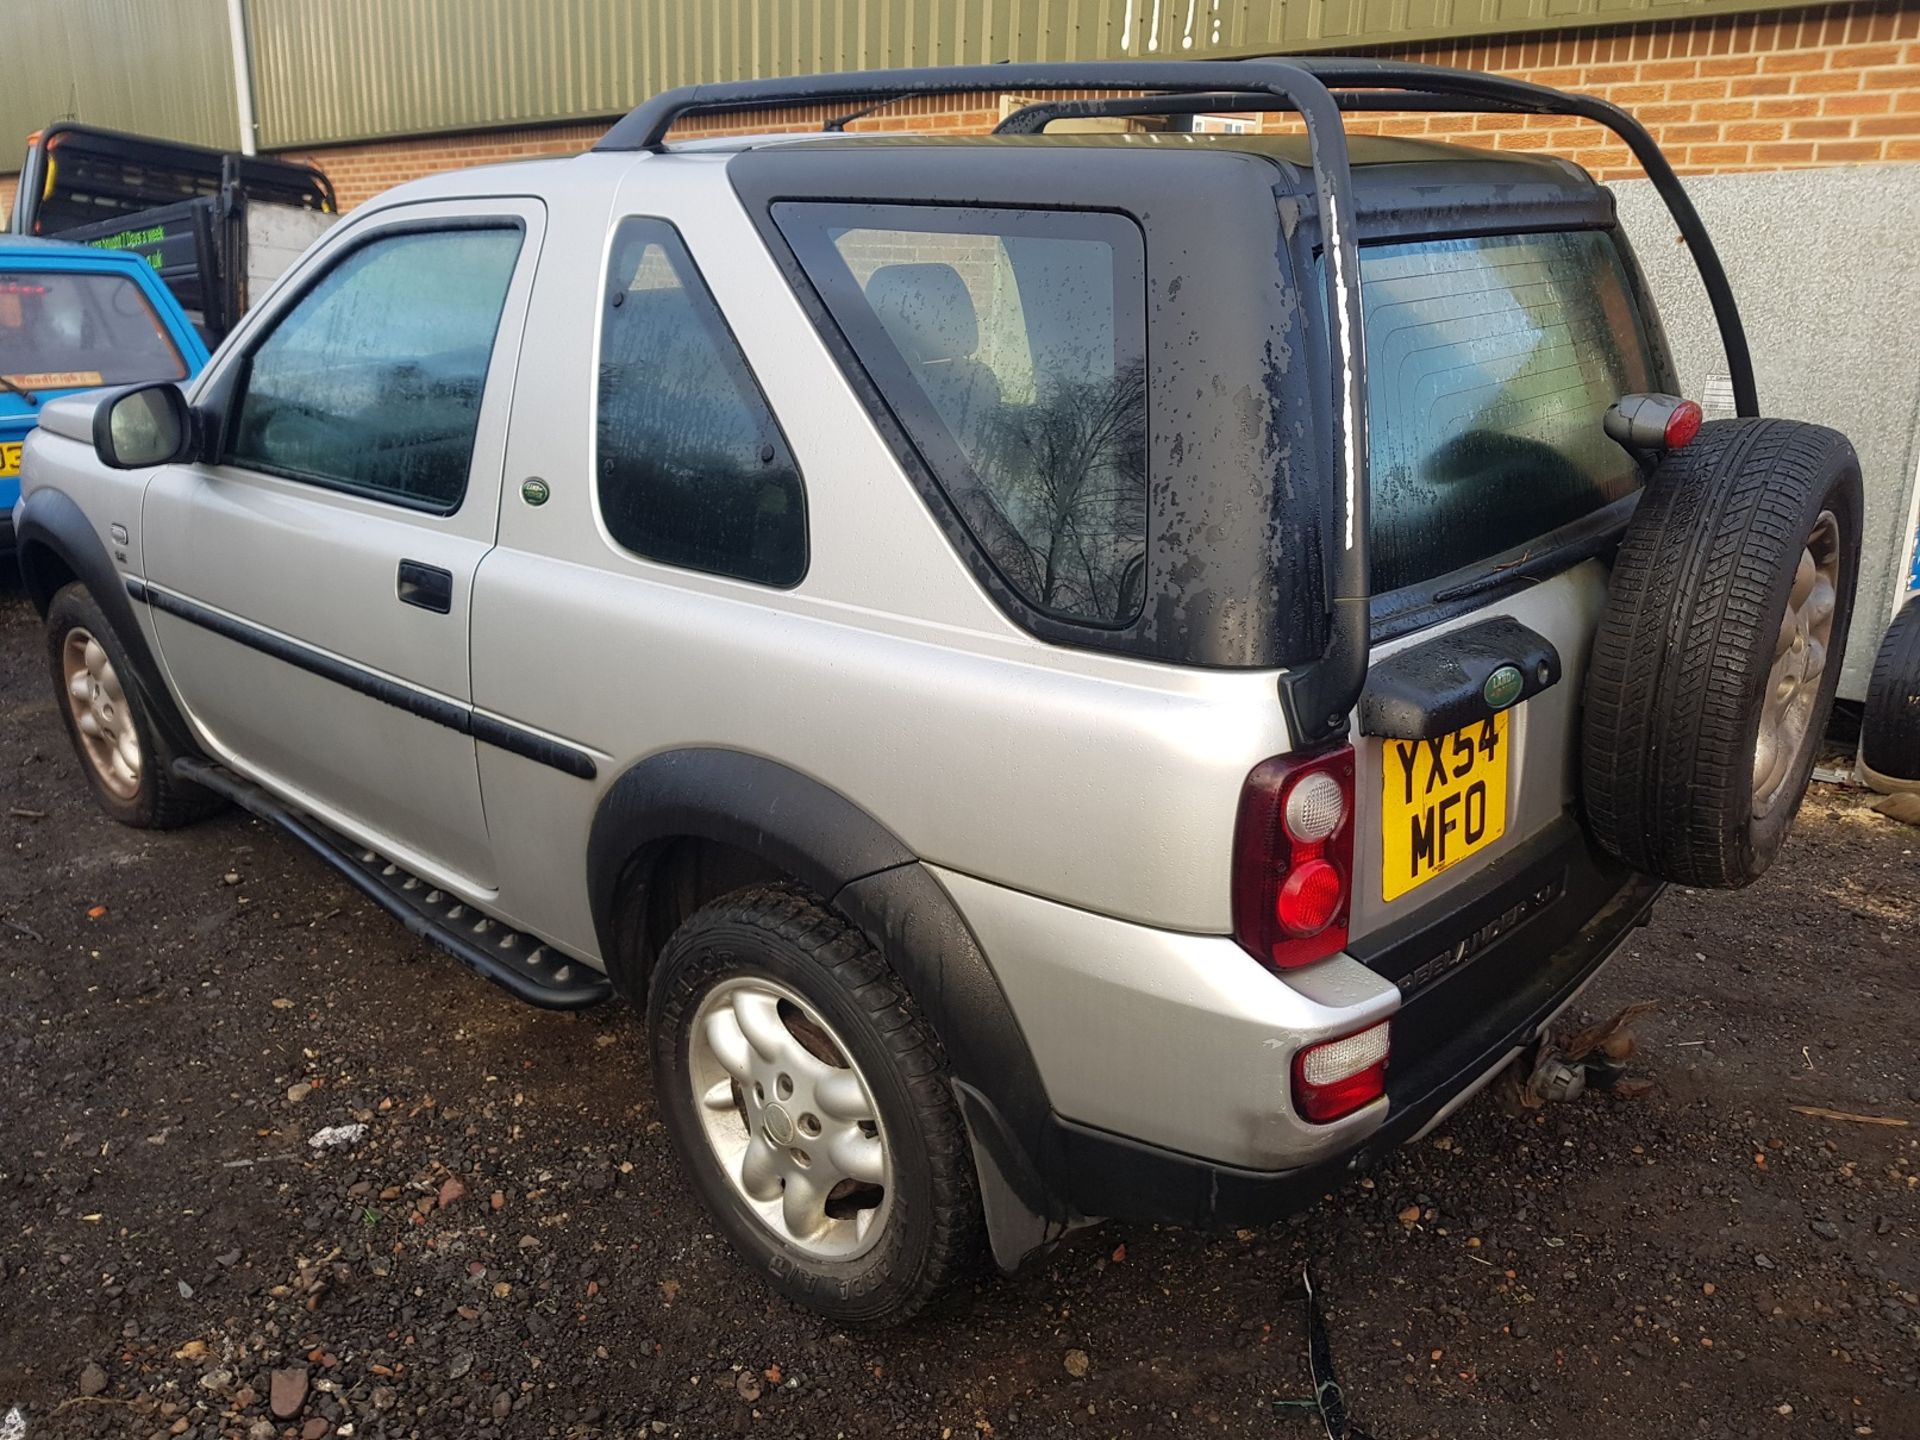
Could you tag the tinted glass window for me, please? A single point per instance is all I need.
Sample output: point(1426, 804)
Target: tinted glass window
point(60, 331)
point(1011, 345)
point(1490, 362)
point(372, 382)
point(693, 470)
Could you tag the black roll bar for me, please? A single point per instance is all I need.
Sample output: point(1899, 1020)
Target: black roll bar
point(1360, 84)
point(1317, 698)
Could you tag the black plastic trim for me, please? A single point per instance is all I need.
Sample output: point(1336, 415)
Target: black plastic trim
point(1439, 686)
point(1558, 858)
point(558, 984)
point(826, 842)
point(51, 524)
point(426, 587)
point(490, 730)
point(108, 453)
point(797, 825)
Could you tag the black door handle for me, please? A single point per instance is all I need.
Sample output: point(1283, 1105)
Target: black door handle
point(427, 586)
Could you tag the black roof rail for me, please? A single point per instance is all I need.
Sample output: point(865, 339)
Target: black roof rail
point(1317, 698)
point(1033, 119)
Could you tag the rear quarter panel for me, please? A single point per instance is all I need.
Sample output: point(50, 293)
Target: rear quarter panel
point(886, 674)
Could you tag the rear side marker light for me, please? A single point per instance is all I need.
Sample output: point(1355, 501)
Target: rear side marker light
point(1649, 424)
point(1293, 859)
point(1337, 1077)
point(1683, 424)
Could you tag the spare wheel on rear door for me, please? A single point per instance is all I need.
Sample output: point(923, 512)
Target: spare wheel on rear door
point(1715, 663)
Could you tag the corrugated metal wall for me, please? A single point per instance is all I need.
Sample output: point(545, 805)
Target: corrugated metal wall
point(328, 71)
point(162, 67)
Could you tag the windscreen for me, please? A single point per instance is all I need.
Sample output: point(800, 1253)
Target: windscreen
point(1490, 363)
point(66, 330)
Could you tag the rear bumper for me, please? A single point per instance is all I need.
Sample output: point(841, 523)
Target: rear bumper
point(1465, 992)
point(1109, 1175)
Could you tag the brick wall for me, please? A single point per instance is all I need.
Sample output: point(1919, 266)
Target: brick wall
point(359, 172)
point(1830, 84)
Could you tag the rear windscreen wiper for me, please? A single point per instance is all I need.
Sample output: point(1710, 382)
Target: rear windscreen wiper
point(21, 391)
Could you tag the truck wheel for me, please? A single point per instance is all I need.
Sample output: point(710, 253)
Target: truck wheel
point(1714, 667)
point(1890, 728)
point(810, 1102)
point(127, 761)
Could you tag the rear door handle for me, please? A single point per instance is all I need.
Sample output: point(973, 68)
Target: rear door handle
point(427, 586)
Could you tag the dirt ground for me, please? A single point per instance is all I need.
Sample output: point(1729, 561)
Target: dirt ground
point(510, 1251)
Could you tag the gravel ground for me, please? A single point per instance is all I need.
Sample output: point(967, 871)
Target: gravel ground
point(509, 1250)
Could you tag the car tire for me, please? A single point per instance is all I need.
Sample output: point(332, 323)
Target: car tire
point(1714, 666)
point(1890, 724)
point(790, 1064)
point(125, 756)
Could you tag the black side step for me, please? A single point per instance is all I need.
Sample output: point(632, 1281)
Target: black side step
point(525, 966)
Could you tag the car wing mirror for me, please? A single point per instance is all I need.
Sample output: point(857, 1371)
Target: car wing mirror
point(144, 425)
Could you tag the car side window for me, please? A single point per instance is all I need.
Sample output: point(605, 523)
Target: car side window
point(694, 471)
point(372, 381)
point(1011, 345)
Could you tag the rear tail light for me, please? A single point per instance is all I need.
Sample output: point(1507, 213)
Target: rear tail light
point(1293, 859)
point(1337, 1077)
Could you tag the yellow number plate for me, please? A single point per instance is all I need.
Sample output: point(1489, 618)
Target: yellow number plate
point(10, 457)
point(1441, 801)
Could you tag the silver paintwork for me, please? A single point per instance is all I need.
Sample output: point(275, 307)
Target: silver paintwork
point(887, 674)
point(318, 566)
point(1179, 1040)
point(1544, 740)
point(791, 1129)
point(1799, 660)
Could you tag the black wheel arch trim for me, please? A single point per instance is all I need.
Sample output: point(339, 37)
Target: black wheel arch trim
point(52, 526)
point(868, 874)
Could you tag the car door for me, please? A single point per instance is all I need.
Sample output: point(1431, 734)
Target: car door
point(311, 582)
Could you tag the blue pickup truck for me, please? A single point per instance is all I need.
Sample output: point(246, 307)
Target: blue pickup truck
point(72, 318)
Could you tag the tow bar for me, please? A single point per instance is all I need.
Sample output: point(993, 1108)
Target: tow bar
point(1564, 1068)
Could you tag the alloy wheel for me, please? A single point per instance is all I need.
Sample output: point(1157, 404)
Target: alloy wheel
point(101, 715)
point(791, 1121)
point(1800, 658)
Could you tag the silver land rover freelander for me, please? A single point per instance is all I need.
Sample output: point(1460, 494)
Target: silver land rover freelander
point(1070, 674)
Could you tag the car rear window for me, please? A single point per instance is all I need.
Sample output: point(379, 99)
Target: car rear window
point(1490, 363)
point(1011, 346)
point(64, 329)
